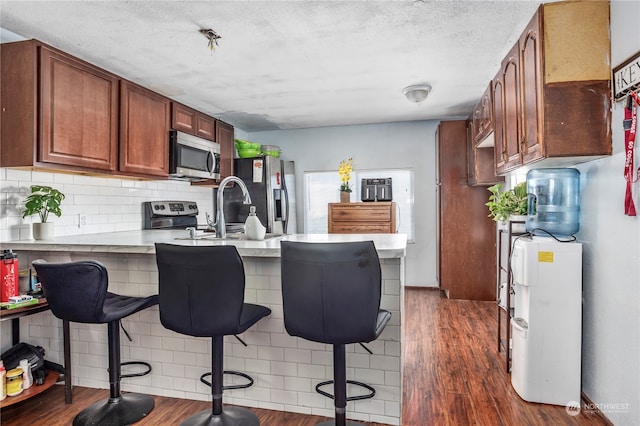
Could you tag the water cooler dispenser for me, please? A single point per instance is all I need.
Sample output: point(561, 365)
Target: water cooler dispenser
point(547, 323)
point(554, 202)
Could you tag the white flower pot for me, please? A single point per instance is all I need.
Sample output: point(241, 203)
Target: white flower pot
point(43, 231)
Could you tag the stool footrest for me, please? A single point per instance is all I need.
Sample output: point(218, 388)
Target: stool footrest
point(371, 394)
point(142, 373)
point(235, 373)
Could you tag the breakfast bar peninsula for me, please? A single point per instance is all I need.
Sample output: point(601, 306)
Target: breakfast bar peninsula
point(285, 369)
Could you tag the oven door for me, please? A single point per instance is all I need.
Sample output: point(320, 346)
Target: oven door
point(193, 157)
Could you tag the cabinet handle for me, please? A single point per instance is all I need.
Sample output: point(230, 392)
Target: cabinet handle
point(523, 145)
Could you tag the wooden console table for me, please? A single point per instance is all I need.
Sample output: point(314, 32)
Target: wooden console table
point(52, 376)
point(376, 217)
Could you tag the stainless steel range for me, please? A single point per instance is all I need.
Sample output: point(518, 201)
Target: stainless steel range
point(170, 214)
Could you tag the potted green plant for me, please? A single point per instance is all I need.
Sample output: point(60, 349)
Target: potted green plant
point(507, 205)
point(42, 201)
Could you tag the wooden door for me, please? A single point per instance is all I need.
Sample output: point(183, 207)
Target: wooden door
point(466, 240)
point(224, 136)
point(532, 93)
point(511, 111)
point(79, 113)
point(145, 118)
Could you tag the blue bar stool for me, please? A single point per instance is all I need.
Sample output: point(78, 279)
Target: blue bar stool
point(202, 295)
point(77, 292)
point(331, 294)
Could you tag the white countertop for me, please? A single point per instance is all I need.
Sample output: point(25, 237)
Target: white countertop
point(142, 242)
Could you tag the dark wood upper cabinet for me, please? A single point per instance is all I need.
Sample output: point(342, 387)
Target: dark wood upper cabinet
point(145, 118)
point(482, 119)
point(225, 136)
point(552, 102)
point(192, 122)
point(499, 150)
point(205, 126)
point(511, 110)
point(76, 126)
point(531, 147)
point(481, 143)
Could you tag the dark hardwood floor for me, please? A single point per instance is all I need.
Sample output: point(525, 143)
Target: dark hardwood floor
point(453, 375)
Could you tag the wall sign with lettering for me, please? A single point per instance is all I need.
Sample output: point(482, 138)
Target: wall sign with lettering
point(626, 77)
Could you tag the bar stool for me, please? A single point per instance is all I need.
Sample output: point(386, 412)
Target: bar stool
point(202, 295)
point(77, 292)
point(331, 294)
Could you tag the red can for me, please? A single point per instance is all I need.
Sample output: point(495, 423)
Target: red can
point(8, 275)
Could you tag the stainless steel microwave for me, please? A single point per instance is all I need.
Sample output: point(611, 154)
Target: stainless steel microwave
point(191, 157)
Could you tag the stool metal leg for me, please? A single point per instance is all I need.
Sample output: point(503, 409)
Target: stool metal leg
point(219, 415)
point(339, 389)
point(66, 338)
point(118, 410)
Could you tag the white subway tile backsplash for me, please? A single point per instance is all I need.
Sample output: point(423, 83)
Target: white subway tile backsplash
point(270, 381)
point(109, 204)
point(312, 371)
point(284, 397)
point(284, 368)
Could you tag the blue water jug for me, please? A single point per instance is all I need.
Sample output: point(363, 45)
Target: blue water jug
point(554, 202)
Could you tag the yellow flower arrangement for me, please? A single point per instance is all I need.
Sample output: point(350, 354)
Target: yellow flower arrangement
point(344, 170)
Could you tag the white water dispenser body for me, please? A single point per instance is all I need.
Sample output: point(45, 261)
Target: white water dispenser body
point(547, 323)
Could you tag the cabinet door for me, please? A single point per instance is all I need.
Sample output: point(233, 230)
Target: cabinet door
point(144, 131)
point(511, 105)
point(499, 149)
point(183, 118)
point(79, 113)
point(224, 136)
point(531, 102)
point(205, 126)
point(483, 116)
point(471, 151)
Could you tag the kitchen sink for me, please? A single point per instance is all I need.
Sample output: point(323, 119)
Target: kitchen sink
point(230, 236)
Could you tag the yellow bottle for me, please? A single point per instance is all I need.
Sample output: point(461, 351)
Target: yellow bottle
point(14, 382)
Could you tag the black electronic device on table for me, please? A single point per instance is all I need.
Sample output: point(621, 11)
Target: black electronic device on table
point(376, 189)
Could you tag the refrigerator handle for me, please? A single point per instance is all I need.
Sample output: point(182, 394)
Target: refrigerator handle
point(285, 211)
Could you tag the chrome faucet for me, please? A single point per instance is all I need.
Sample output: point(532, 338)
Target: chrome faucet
point(220, 225)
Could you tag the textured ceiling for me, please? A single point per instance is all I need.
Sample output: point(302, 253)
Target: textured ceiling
point(289, 64)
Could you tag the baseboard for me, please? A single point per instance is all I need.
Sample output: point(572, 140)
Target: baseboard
point(588, 404)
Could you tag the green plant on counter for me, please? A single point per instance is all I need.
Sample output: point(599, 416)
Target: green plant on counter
point(503, 204)
point(42, 201)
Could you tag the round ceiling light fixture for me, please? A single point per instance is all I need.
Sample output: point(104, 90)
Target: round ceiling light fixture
point(417, 92)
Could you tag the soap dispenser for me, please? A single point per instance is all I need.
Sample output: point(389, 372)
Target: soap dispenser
point(253, 229)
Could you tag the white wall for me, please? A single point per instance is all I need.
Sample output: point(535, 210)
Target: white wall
point(611, 259)
point(406, 145)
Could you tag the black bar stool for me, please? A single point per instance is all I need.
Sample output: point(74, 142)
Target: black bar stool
point(77, 292)
point(331, 294)
point(202, 294)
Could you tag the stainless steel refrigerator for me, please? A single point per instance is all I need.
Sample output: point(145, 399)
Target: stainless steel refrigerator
point(271, 184)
